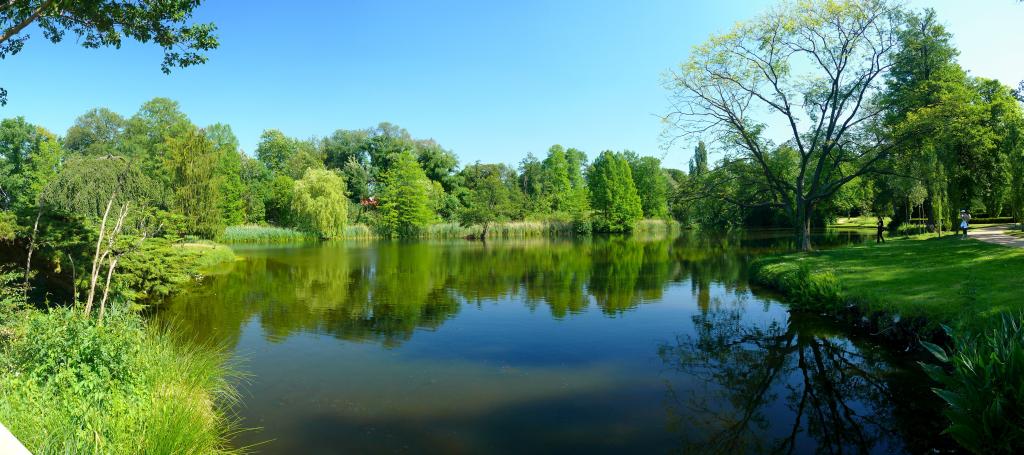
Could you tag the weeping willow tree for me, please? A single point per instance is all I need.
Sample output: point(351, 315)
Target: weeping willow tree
point(319, 203)
point(85, 184)
point(191, 164)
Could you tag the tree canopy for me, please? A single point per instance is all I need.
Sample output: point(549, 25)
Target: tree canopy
point(106, 23)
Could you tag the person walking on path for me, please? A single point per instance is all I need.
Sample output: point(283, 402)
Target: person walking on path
point(964, 218)
point(881, 229)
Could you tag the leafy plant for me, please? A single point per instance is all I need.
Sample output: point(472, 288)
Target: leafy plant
point(982, 380)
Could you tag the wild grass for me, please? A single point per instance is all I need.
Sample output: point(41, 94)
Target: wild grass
point(358, 231)
point(71, 385)
point(254, 234)
point(943, 280)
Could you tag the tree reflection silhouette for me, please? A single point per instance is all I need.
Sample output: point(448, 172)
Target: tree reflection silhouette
point(385, 291)
point(789, 387)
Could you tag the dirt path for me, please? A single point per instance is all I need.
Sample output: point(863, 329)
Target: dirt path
point(997, 235)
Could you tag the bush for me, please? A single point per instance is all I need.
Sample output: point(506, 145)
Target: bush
point(161, 267)
point(984, 386)
point(71, 385)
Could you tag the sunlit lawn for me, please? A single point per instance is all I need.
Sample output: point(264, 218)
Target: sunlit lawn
point(947, 280)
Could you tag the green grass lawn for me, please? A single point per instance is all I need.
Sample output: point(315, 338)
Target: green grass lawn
point(945, 280)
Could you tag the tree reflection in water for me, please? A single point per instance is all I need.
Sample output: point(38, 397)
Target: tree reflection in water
point(745, 386)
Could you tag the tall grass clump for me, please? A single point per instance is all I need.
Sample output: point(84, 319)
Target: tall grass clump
point(263, 235)
point(656, 227)
point(358, 231)
point(982, 381)
point(72, 385)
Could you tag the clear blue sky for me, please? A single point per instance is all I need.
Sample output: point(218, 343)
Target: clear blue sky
point(489, 80)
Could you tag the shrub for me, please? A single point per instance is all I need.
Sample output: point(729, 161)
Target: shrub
point(982, 381)
point(160, 267)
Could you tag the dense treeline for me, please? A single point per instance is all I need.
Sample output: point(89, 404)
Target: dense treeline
point(883, 121)
point(196, 181)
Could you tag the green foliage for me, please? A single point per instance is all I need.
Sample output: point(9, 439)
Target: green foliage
point(278, 203)
point(96, 132)
point(255, 178)
point(319, 203)
point(105, 23)
point(699, 161)
point(981, 379)
point(146, 141)
point(29, 157)
point(651, 184)
point(613, 195)
point(233, 201)
point(8, 225)
point(12, 295)
point(405, 206)
point(161, 267)
point(86, 183)
point(488, 196)
point(287, 156)
point(75, 386)
point(192, 164)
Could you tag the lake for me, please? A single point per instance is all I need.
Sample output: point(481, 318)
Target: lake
point(604, 345)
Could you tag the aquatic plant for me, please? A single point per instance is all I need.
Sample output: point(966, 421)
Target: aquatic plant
point(982, 381)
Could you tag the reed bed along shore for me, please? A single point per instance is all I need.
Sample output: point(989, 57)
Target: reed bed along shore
point(254, 234)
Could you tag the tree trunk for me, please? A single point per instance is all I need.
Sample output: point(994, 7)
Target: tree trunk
point(31, 248)
point(483, 236)
point(97, 259)
point(106, 287)
point(803, 221)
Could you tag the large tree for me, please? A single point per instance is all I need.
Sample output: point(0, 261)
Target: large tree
point(405, 205)
point(651, 183)
point(103, 23)
point(488, 197)
point(613, 194)
point(811, 66)
point(192, 165)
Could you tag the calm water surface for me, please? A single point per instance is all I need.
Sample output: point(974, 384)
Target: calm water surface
point(605, 345)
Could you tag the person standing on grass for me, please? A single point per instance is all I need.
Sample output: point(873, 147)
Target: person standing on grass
point(964, 218)
point(881, 229)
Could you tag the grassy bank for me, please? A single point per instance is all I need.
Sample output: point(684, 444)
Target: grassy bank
point(71, 385)
point(921, 280)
